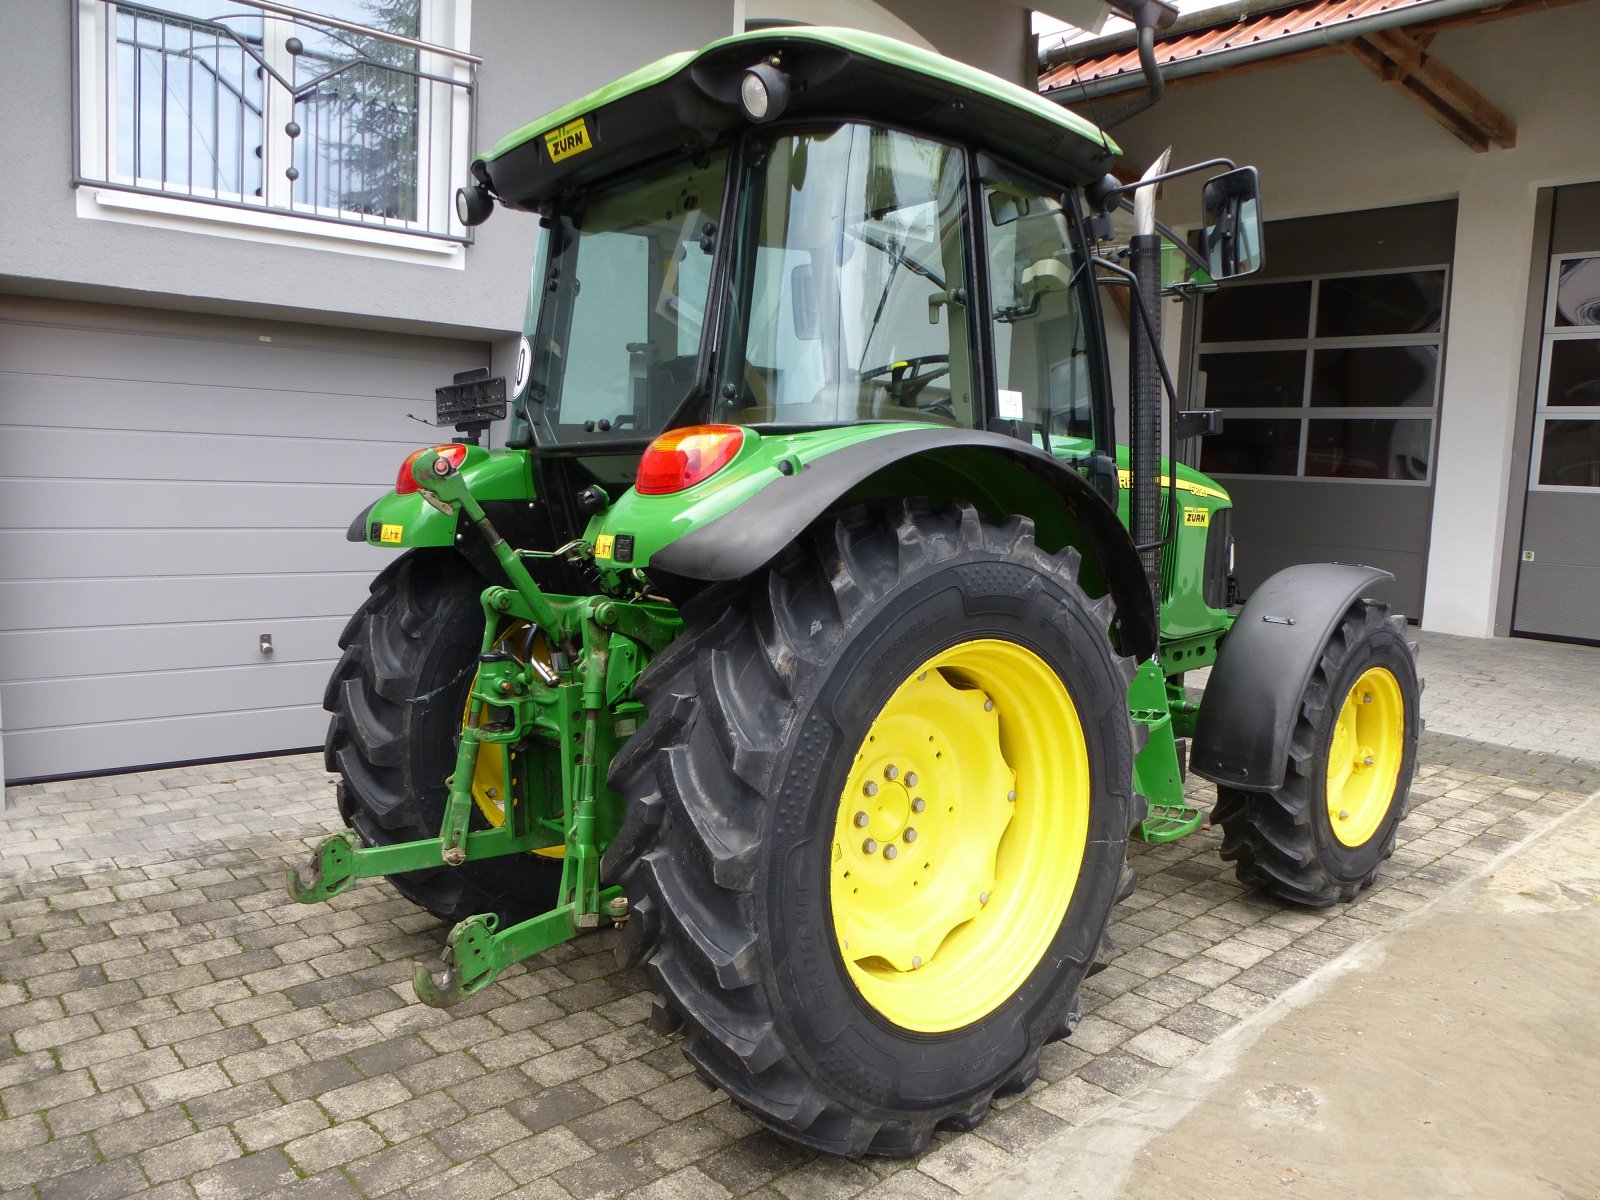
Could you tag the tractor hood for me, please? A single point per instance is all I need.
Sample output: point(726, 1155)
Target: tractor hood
point(692, 99)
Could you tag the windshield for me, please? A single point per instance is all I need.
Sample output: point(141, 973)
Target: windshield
point(622, 302)
point(849, 302)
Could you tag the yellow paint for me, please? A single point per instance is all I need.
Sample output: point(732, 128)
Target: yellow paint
point(1364, 756)
point(392, 534)
point(603, 545)
point(1125, 481)
point(985, 738)
point(1197, 516)
point(572, 138)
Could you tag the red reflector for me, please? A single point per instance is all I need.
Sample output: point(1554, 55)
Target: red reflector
point(405, 483)
point(681, 458)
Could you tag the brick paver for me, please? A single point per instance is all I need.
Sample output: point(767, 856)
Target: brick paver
point(171, 1025)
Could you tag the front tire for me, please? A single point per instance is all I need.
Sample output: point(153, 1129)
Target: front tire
point(1320, 838)
point(944, 662)
point(397, 698)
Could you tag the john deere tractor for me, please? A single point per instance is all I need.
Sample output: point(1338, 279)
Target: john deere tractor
point(810, 624)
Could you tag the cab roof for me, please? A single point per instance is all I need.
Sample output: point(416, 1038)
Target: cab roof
point(691, 99)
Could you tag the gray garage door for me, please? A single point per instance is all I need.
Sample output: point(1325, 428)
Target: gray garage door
point(171, 489)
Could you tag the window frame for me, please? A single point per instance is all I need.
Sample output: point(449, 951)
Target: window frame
point(105, 191)
point(1549, 334)
point(1304, 413)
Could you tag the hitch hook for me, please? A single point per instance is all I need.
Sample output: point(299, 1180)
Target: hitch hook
point(471, 963)
point(332, 870)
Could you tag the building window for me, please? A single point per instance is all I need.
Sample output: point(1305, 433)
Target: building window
point(1332, 377)
point(358, 115)
point(1567, 431)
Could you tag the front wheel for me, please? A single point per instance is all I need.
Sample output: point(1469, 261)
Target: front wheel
point(877, 822)
point(1320, 837)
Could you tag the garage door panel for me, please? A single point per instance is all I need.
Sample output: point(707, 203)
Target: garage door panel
point(114, 357)
point(1259, 559)
point(84, 553)
point(139, 503)
point(82, 652)
point(35, 753)
point(156, 600)
point(142, 696)
point(261, 408)
point(119, 454)
point(171, 488)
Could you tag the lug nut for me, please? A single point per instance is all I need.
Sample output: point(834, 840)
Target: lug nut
point(918, 804)
point(1367, 699)
point(1344, 814)
point(988, 706)
point(890, 851)
point(1367, 761)
point(911, 835)
point(983, 897)
point(869, 847)
point(916, 962)
point(891, 772)
point(911, 779)
point(1011, 795)
point(870, 788)
point(922, 676)
point(861, 820)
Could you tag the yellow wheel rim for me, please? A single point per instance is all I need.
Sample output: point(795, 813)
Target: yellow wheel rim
point(959, 837)
point(1364, 756)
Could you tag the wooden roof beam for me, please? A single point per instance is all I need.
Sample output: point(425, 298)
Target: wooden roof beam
point(1402, 61)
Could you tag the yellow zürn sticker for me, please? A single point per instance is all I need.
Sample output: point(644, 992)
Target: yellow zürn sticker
point(391, 534)
point(603, 545)
point(572, 138)
point(1197, 516)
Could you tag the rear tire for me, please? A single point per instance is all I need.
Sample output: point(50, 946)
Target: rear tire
point(761, 719)
point(1294, 842)
point(397, 698)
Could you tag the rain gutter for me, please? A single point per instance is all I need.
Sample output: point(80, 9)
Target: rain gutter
point(1290, 43)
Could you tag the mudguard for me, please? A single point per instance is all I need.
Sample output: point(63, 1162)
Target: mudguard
point(401, 522)
point(1247, 715)
point(743, 539)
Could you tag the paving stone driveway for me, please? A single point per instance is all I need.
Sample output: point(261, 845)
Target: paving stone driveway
point(172, 1026)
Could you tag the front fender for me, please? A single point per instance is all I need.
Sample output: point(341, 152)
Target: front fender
point(738, 520)
point(1247, 715)
point(401, 522)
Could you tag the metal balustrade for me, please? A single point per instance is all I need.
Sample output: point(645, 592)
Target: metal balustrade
point(259, 106)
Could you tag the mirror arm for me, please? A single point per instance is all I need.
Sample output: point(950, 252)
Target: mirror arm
point(1111, 190)
point(1148, 16)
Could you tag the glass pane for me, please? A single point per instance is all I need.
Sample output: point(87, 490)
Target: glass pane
point(1256, 312)
point(1255, 379)
point(1574, 373)
point(1571, 453)
point(623, 300)
point(189, 105)
point(1375, 377)
point(1247, 446)
point(1578, 292)
point(855, 295)
point(1041, 348)
point(1380, 448)
point(1371, 305)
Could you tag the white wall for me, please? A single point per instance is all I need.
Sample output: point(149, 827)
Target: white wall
point(1329, 137)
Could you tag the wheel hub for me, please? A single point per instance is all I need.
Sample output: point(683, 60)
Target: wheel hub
point(1364, 756)
point(939, 908)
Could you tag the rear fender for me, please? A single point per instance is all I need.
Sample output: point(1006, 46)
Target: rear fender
point(998, 475)
point(1247, 715)
point(401, 522)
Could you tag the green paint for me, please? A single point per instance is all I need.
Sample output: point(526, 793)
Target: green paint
point(1157, 775)
point(492, 475)
point(869, 45)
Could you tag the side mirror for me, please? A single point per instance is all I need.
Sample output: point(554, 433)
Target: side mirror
point(1231, 242)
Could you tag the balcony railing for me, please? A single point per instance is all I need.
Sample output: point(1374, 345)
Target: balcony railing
point(259, 106)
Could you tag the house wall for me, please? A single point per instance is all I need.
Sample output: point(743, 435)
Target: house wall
point(551, 58)
point(1329, 137)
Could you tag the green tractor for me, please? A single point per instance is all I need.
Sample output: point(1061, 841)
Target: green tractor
point(810, 624)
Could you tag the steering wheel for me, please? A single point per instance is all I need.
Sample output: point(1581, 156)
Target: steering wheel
point(907, 377)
